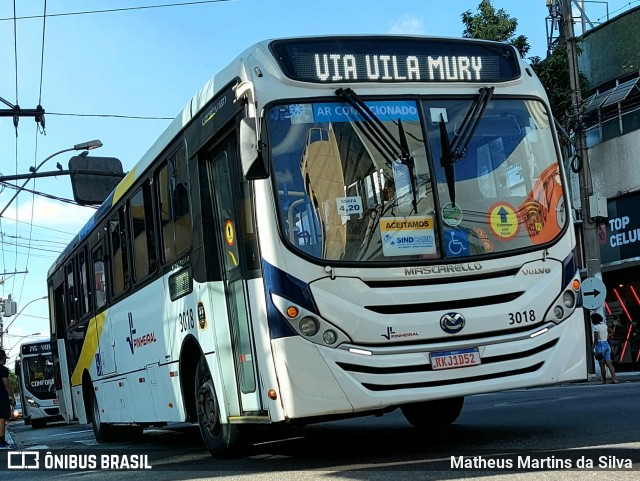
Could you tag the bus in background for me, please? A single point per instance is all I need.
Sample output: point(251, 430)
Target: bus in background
point(35, 374)
point(332, 227)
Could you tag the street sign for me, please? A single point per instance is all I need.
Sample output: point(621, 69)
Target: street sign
point(594, 292)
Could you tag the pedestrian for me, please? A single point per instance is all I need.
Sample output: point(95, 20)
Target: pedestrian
point(601, 348)
point(7, 398)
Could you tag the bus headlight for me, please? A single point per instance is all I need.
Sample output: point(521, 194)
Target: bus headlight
point(569, 299)
point(32, 402)
point(558, 312)
point(309, 326)
point(329, 336)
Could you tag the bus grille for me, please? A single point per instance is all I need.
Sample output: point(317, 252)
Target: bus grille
point(445, 306)
point(355, 369)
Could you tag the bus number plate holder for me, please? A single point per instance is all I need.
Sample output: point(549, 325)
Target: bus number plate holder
point(455, 359)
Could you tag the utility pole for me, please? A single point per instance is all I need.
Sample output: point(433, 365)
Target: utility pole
point(590, 205)
point(16, 112)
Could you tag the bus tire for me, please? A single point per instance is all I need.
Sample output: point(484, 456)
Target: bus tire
point(38, 423)
point(221, 440)
point(430, 414)
point(103, 432)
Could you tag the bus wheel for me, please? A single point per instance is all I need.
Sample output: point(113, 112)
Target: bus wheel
point(430, 414)
point(103, 432)
point(221, 440)
point(38, 423)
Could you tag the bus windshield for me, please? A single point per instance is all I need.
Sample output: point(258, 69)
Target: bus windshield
point(38, 375)
point(344, 195)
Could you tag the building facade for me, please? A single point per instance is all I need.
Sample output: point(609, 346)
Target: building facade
point(610, 60)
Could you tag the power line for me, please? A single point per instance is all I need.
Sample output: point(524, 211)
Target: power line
point(48, 196)
point(44, 23)
point(138, 117)
point(113, 10)
point(39, 226)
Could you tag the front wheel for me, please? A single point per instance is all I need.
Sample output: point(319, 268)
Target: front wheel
point(103, 432)
point(222, 440)
point(433, 414)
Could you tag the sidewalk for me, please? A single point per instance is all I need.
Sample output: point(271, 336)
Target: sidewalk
point(622, 376)
point(8, 437)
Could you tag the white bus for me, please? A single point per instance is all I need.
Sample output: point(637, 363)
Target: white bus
point(35, 375)
point(230, 281)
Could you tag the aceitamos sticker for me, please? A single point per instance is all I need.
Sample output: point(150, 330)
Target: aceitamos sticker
point(407, 236)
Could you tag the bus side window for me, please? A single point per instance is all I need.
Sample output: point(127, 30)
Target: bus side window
point(100, 277)
point(84, 304)
point(143, 245)
point(119, 254)
point(174, 208)
point(70, 289)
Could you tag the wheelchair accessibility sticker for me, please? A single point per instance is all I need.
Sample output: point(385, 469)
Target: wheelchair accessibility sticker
point(456, 242)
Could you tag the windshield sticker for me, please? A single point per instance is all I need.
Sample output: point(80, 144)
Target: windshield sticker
point(402, 184)
point(451, 214)
point(229, 232)
point(503, 220)
point(456, 242)
point(484, 238)
point(438, 114)
point(349, 205)
point(385, 111)
point(543, 205)
point(410, 236)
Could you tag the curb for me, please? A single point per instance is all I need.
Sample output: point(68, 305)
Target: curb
point(8, 437)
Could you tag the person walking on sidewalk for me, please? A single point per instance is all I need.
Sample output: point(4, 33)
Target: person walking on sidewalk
point(6, 398)
point(601, 348)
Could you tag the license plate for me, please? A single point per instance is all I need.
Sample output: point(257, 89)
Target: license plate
point(455, 359)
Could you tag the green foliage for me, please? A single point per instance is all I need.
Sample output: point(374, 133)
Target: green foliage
point(14, 382)
point(489, 24)
point(553, 72)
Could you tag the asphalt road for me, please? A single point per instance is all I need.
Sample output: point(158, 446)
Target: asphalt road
point(582, 430)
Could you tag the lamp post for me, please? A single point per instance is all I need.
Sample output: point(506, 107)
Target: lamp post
point(90, 145)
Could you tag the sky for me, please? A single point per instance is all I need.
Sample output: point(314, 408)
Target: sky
point(118, 72)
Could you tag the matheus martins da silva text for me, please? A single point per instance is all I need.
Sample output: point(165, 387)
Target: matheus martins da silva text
point(534, 462)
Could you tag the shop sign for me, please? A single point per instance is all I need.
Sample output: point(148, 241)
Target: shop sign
point(619, 235)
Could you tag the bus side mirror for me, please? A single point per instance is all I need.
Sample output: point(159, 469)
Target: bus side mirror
point(250, 152)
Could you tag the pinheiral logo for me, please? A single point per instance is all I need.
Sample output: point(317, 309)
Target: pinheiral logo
point(139, 341)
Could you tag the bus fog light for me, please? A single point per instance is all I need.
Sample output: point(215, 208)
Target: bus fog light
point(309, 326)
point(569, 299)
point(329, 337)
point(558, 312)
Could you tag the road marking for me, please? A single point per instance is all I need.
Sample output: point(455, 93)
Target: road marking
point(535, 401)
point(72, 432)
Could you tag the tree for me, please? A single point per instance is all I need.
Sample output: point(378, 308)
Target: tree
point(489, 24)
point(14, 382)
point(553, 72)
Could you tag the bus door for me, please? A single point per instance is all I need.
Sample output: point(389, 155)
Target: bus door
point(227, 197)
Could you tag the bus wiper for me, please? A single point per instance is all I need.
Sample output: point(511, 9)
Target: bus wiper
point(453, 151)
point(384, 141)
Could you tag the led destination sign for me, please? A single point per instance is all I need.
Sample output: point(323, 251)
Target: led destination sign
point(392, 59)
